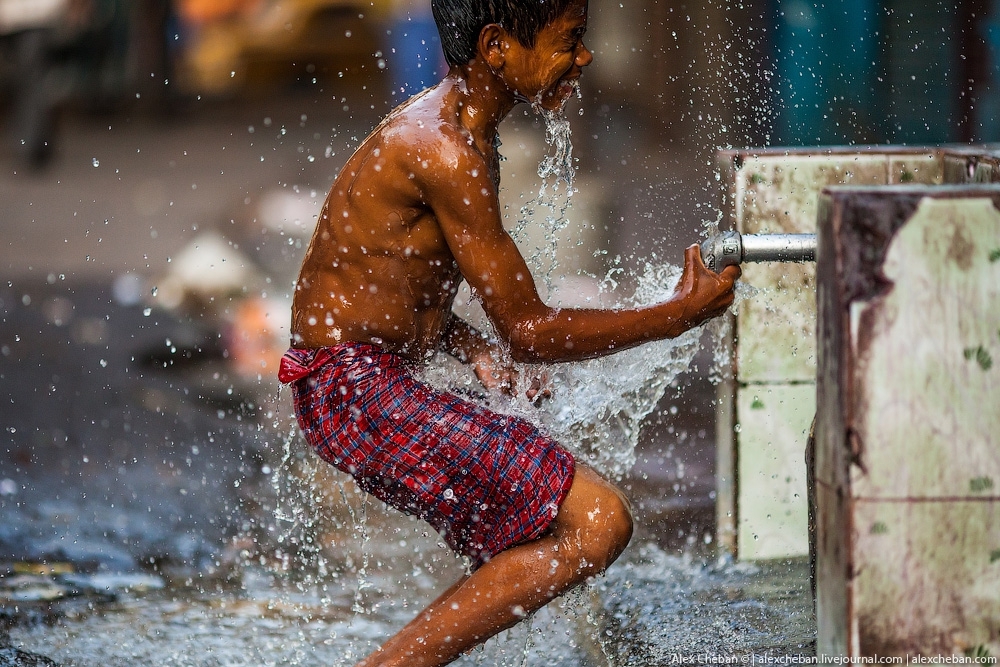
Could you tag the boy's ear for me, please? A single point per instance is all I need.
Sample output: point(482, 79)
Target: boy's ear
point(491, 45)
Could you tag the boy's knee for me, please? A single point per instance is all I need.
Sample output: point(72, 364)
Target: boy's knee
point(602, 536)
point(619, 526)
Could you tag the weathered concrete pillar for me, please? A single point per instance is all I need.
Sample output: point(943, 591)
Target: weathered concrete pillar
point(908, 423)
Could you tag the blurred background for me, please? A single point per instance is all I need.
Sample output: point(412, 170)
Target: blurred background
point(780, 72)
point(671, 80)
point(162, 164)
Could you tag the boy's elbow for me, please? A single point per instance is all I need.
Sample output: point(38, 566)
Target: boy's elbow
point(521, 343)
point(528, 345)
point(527, 355)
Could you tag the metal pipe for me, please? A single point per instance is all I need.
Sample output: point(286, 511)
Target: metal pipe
point(730, 248)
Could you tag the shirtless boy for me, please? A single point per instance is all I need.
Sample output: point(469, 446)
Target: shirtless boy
point(413, 213)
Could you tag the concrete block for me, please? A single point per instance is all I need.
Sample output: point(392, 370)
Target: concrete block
point(773, 424)
point(926, 168)
point(776, 328)
point(928, 577)
point(777, 192)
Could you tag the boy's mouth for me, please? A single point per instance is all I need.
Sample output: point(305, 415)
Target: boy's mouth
point(569, 85)
point(561, 92)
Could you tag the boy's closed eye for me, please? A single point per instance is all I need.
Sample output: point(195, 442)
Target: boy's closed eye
point(574, 38)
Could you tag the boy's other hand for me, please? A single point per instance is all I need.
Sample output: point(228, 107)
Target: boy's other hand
point(493, 374)
point(539, 389)
point(500, 376)
point(705, 294)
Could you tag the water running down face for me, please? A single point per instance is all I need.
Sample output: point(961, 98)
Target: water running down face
point(546, 74)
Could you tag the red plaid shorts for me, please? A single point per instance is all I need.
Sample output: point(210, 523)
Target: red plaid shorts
point(484, 481)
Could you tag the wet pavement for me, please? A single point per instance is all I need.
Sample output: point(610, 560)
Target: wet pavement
point(142, 441)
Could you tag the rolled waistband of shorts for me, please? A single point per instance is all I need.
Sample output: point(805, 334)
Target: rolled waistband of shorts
point(299, 363)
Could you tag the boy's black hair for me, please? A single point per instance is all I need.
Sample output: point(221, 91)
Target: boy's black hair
point(460, 21)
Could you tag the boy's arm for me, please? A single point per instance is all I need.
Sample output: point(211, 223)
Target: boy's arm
point(471, 346)
point(458, 189)
point(463, 341)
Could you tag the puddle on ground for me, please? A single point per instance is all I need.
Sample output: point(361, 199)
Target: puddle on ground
point(658, 606)
point(649, 608)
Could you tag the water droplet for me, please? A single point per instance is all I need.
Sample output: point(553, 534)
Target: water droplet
point(95, 162)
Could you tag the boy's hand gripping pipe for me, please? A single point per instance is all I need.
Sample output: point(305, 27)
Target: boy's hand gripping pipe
point(730, 248)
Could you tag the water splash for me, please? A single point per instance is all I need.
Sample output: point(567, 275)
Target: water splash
point(336, 556)
point(552, 203)
point(598, 405)
point(323, 529)
point(762, 609)
point(557, 167)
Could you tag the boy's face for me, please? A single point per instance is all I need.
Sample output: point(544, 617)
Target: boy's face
point(547, 73)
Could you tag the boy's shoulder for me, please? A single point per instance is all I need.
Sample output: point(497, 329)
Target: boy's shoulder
point(427, 134)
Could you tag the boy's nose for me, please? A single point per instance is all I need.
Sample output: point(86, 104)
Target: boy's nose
point(583, 56)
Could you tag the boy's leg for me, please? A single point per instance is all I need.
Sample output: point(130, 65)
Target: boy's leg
point(590, 531)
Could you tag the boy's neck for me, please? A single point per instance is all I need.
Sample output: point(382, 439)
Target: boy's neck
point(486, 99)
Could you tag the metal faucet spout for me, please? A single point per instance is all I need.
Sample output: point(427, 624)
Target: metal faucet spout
point(730, 248)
